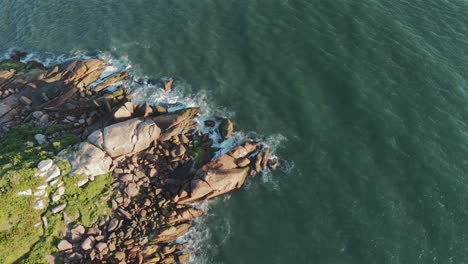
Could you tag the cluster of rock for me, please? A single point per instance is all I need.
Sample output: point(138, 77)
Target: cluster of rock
point(53, 189)
point(160, 162)
point(56, 95)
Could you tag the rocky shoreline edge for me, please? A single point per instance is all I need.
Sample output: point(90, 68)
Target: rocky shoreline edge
point(159, 161)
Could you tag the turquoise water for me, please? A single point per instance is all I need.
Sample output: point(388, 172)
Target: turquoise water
point(369, 96)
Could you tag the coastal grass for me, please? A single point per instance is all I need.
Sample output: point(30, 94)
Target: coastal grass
point(84, 206)
point(23, 238)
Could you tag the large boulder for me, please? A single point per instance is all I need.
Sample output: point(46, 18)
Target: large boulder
point(89, 160)
point(177, 123)
point(126, 137)
point(79, 73)
point(221, 175)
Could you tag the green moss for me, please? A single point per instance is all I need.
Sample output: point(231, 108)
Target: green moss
point(19, 66)
point(12, 64)
point(201, 151)
point(20, 241)
point(85, 203)
point(17, 219)
point(16, 153)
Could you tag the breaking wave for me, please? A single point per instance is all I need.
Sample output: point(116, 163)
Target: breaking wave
point(146, 90)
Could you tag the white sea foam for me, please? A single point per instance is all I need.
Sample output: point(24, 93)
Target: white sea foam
point(180, 97)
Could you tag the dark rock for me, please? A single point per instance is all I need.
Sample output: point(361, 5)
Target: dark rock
point(179, 122)
point(25, 100)
point(210, 123)
point(113, 223)
point(226, 128)
point(243, 162)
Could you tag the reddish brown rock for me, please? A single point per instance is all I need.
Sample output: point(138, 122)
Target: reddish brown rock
point(179, 122)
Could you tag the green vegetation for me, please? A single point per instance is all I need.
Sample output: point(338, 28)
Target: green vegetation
point(19, 66)
point(201, 151)
point(85, 203)
point(84, 206)
point(22, 236)
point(19, 150)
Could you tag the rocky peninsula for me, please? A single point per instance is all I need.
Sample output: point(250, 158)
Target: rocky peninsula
point(89, 176)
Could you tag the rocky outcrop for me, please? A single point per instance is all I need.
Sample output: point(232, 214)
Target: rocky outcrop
point(222, 175)
point(25, 87)
point(177, 123)
point(160, 162)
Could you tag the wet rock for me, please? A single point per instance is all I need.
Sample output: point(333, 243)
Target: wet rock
point(210, 123)
point(174, 124)
point(111, 80)
point(273, 163)
point(161, 109)
point(184, 258)
point(168, 85)
point(242, 150)
point(220, 176)
point(226, 128)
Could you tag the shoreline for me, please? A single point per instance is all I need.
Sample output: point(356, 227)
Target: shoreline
point(158, 159)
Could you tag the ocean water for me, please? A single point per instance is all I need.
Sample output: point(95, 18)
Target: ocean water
point(366, 102)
